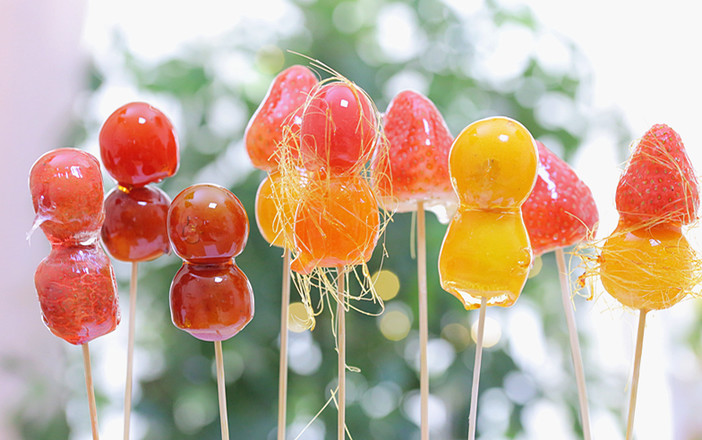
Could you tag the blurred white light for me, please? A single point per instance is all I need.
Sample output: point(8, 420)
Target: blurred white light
point(546, 419)
point(495, 411)
point(399, 36)
point(381, 400)
point(406, 80)
point(505, 55)
point(304, 355)
point(438, 412)
point(492, 332)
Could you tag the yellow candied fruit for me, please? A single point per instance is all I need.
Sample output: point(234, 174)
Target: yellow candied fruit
point(648, 268)
point(493, 164)
point(270, 220)
point(485, 254)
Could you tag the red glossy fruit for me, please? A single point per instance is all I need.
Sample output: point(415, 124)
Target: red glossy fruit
point(416, 165)
point(67, 194)
point(135, 223)
point(560, 210)
point(77, 293)
point(339, 129)
point(207, 224)
point(280, 110)
point(211, 302)
point(138, 145)
point(659, 183)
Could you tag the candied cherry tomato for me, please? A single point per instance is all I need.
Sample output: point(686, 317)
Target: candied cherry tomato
point(339, 129)
point(211, 302)
point(66, 188)
point(138, 145)
point(135, 223)
point(207, 224)
point(77, 293)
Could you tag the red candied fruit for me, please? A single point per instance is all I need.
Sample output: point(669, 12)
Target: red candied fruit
point(207, 224)
point(135, 223)
point(138, 145)
point(282, 107)
point(339, 129)
point(211, 302)
point(77, 293)
point(66, 188)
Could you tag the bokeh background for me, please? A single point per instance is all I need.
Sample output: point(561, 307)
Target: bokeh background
point(586, 78)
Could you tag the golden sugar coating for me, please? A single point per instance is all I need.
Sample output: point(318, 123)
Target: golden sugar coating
point(486, 251)
point(648, 268)
point(493, 164)
point(274, 224)
point(485, 254)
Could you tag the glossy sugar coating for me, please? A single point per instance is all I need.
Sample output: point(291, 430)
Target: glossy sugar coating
point(279, 111)
point(648, 268)
point(207, 224)
point(560, 210)
point(138, 145)
point(135, 223)
point(415, 167)
point(272, 221)
point(67, 194)
point(211, 302)
point(211, 298)
point(339, 129)
point(337, 226)
point(77, 293)
point(486, 251)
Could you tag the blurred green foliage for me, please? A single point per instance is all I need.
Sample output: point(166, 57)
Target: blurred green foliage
point(215, 86)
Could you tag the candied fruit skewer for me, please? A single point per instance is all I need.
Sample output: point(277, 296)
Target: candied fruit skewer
point(411, 175)
point(277, 120)
point(486, 255)
point(561, 212)
point(75, 284)
point(138, 146)
point(336, 223)
point(210, 297)
point(647, 263)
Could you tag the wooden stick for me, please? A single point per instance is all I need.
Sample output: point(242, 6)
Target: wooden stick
point(635, 376)
point(341, 348)
point(283, 372)
point(130, 349)
point(423, 321)
point(91, 391)
point(574, 344)
point(221, 391)
point(472, 418)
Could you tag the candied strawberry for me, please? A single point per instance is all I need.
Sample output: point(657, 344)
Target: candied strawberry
point(281, 107)
point(658, 184)
point(560, 210)
point(416, 165)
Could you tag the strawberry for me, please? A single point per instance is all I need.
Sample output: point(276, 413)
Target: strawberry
point(415, 165)
point(560, 210)
point(658, 184)
point(281, 107)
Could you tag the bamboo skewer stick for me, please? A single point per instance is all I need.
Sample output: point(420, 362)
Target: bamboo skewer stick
point(341, 347)
point(472, 418)
point(423, 321)
point(221, 391)
point(283, 372)
point(635, 375)
point(574, 344)
point(130, 350)
point(91, 391)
